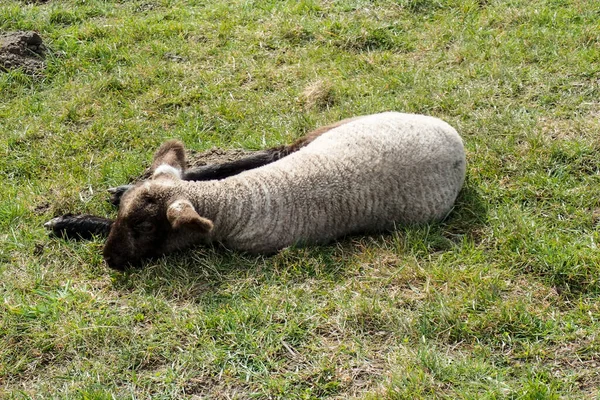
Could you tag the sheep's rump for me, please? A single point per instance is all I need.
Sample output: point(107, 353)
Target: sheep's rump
point(367, 175)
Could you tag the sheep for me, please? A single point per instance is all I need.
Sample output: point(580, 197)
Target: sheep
point(88, 226)
point(366, 175)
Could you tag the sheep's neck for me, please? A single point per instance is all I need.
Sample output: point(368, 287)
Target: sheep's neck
point(221, 203)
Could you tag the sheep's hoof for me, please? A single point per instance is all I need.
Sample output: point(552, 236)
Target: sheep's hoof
point(117, 192)
point(76, 227)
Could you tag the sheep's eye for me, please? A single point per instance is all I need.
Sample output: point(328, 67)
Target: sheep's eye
point(145, 227)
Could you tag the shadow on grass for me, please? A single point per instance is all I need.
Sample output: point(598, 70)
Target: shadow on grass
point(218, 274)
point(470, 214)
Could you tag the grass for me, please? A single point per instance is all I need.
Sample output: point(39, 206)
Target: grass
point(499, 301)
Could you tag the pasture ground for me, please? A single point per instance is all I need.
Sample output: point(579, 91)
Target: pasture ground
point(500, 301)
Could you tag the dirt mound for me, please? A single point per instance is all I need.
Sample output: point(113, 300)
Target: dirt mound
point(23, 50)
point(215, 156)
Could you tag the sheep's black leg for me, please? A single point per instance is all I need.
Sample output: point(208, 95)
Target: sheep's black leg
point(79, 226)
point(258, 159)
point(224, 170)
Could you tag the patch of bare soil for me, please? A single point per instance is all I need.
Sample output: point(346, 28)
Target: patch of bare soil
point(215, 156)
point(41, 208)
point(24, 50)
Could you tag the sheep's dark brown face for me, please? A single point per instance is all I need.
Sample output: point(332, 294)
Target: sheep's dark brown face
point(140, 230)
point(154, 218)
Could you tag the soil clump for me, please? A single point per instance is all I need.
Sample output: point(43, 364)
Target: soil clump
point(24, 50)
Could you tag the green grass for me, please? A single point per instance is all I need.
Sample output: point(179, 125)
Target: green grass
point(502, 300)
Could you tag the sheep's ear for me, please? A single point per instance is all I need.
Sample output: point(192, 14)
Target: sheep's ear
point(169, 160)
point(181, 214)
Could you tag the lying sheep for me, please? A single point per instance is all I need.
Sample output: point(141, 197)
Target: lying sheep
point(365, 175)
point(88, 226)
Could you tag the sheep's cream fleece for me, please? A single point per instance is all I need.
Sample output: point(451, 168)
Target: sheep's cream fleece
point(367, 175)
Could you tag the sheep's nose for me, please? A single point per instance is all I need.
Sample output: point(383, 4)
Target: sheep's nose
point(113, 263)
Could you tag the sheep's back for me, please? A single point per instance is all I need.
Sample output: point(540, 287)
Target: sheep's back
point(367, 175)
